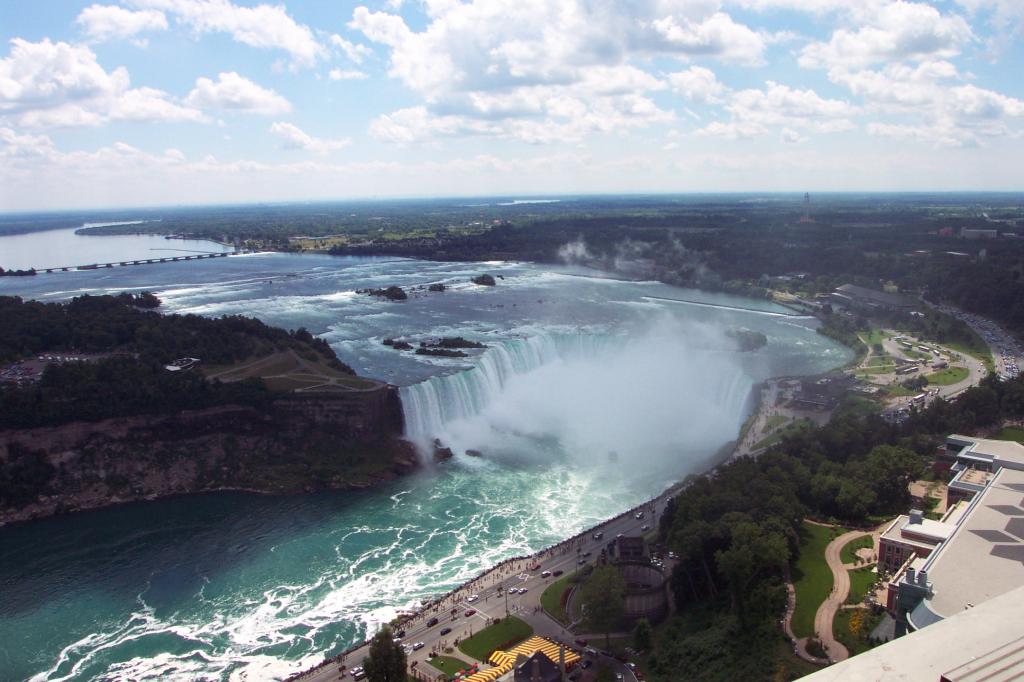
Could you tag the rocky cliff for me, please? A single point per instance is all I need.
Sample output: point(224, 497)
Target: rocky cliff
point(297, 442)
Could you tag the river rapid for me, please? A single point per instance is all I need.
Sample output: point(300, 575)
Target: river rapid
point(592, 395)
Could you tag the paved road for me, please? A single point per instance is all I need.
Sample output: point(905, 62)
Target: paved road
point(492, 591)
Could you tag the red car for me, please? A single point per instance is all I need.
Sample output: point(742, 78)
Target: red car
point(470, 612)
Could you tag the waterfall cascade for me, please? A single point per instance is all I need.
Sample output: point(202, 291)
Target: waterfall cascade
point(590, 393)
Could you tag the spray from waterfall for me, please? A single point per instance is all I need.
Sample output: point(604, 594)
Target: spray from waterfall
point(658, 399)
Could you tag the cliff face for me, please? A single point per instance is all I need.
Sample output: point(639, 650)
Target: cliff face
point(298, 442)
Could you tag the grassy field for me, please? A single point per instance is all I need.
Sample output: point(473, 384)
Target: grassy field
point(506, 633)
point(948, 376)
point(1011, 433)
point(872, 337)
point(449, 665)
point(978, 350)
point(811, 576)
point(848, 553)
point(898, 391)
point(861, 580)
point(288, 371)
point(774, 438)
point(773, 422)
point(551, 599)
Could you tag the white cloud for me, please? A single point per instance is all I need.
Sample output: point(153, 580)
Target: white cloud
point(294, 138)
point(791, 136)
point(754, 112)
point(262, 26)
point(897, 31)
point(526, 70)
point(49, 84)
point(717, 35)
point(354, 51)
point(109, 22)
point(1005, 17)
point(346, 75)
point(931, 103)
point(697, 84)
point(236, 93)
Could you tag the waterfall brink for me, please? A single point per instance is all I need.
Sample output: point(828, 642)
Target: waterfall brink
point(652, 398)
point(432, 404)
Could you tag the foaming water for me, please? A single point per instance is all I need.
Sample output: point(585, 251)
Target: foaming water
point(239, 587)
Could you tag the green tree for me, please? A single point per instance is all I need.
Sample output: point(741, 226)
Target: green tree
point(604, 674)
point(754, 552)
point(642, 635)
point(386, 661)
point(603, 598)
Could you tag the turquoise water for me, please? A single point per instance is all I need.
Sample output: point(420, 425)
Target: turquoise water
point(233, 586)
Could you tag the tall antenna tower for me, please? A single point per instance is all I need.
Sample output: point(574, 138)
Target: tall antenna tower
point(806, 218)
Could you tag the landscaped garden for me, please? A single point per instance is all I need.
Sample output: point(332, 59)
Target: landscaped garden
point(449, 665)
point(812, 577)
point(553, 599)
point(504, 634)
point(848, 554)
point(852, 627)
point(861, 580)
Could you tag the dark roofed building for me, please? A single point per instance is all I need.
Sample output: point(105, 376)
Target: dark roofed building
point(537, 668)
point(862, 297)
point(628, 548)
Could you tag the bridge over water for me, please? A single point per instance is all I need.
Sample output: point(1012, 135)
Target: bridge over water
point(141, 261)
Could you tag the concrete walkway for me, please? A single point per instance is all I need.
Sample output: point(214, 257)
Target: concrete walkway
point(799, 645)
point(840, 590)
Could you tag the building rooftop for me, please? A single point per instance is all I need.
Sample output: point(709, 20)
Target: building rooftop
point(924, 533)
point(1001, 452)
point(982, 643)
point(983, 557)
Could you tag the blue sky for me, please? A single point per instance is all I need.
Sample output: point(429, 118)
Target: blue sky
point(154, 102)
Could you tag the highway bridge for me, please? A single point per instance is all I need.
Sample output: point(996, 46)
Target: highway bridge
point(145, 261)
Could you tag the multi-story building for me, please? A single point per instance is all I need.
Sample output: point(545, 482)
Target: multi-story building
point(975, 553)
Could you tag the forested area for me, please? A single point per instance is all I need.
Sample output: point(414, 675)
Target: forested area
point(736, 529)
point(131, 379)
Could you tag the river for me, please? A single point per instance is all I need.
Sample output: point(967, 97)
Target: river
point(592, 395)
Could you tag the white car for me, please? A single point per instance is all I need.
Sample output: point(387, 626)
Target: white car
point(473, 598)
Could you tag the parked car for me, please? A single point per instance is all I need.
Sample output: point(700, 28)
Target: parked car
point(580, 641)
point(545, 574)
point(470, 612)
point(445, 631)
point(558, 573)
point(417, 646)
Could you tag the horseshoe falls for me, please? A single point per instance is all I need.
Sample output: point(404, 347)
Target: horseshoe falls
point(592, 394)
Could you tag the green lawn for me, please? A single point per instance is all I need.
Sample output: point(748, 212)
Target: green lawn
point(978, 350)
point(773, 422)
point(551, 598)
point(1011, 433)
point(899, 391)
point(449, 665)
point(848, 553)
point(872, 337)
point(774, 438)
point(506, 633)
point(948, 376)
point(861, 580)
point(811, 576)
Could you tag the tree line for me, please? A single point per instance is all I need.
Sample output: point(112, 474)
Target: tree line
point(737, 529)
